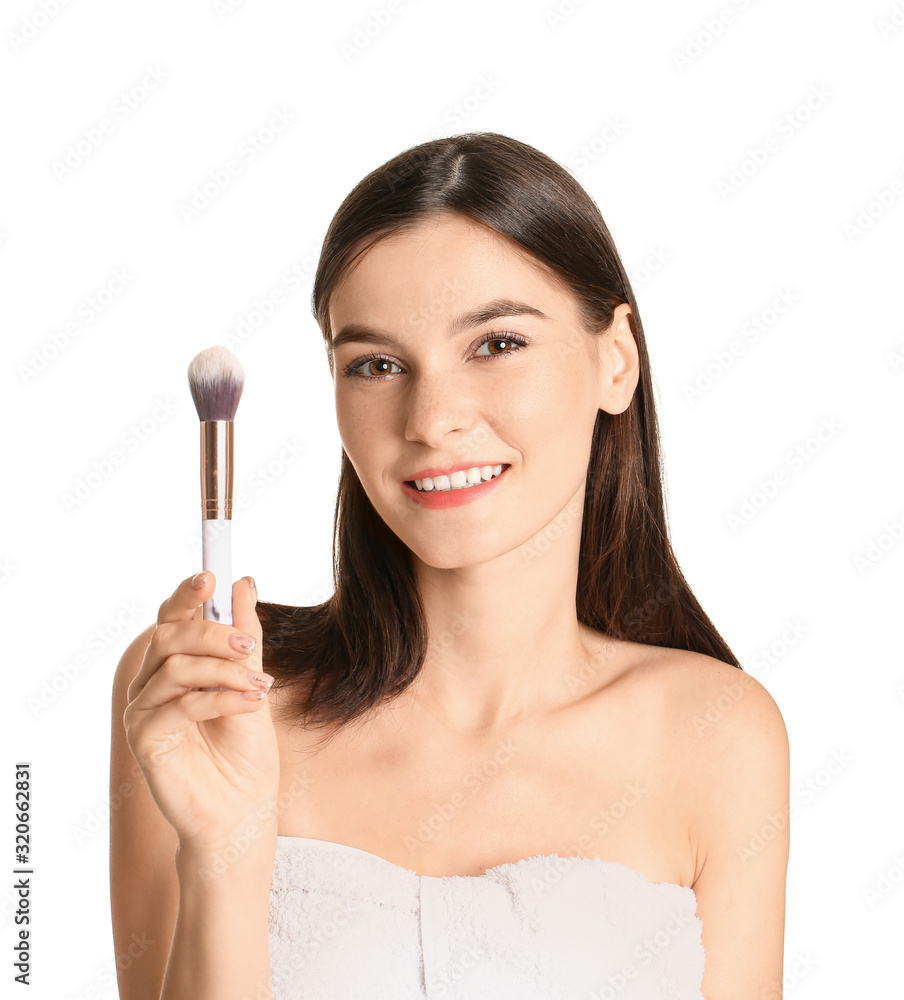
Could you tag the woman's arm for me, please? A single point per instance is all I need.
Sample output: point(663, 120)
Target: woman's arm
point(177, 932)
point(144, 888)
point(742, 834)
point(221, 945)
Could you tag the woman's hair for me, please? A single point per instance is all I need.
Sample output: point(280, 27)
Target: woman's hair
point(367, 642)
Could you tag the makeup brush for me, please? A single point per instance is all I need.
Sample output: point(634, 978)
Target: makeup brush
point(216, 379)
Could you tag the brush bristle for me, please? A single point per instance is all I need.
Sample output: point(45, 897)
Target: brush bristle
point(216, 379)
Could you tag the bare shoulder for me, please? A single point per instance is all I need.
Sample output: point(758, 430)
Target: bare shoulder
point(733, 766)
point(706, 719)
point(714, 703)
point(732, 743)
point(716, 744)
point(721, 730)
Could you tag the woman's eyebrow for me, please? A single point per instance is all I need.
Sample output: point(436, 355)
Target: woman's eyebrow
point(362, 333)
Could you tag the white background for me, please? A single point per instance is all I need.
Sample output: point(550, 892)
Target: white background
point(811, 575)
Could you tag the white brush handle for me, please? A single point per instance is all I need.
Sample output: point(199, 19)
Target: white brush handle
point(216, 555)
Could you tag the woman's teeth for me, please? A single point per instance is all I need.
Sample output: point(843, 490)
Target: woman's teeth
point(461, 480)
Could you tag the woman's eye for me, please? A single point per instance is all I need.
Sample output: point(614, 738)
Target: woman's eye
point(496, 340)
point(376, 367)
point(514, 341)
point(359, 369)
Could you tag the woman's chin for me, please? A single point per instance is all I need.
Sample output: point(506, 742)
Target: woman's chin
point(455, 554)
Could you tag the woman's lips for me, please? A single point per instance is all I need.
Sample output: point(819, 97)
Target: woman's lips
point(434, 471)
point(440, 499)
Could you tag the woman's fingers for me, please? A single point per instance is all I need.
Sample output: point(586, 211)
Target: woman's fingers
point(244, 617)
point(202, 773)
point(154, 734)
point(181, 673)
point(184, 600)
point(181, 629)
point(201, 638)
point(200, 706)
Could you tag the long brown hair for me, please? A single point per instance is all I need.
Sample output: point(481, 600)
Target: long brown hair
point(368, 641)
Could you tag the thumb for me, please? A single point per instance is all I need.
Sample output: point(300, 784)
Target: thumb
point(244, 617)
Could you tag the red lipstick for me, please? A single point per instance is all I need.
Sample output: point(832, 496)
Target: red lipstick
point(441, 499)
point(435, 470)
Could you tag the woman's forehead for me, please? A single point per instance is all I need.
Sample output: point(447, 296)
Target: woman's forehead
point(451, 264)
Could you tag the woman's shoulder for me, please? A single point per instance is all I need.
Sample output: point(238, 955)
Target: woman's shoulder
point(698, 702)
point(722, 725)
point(697, 687)
point(714, 697)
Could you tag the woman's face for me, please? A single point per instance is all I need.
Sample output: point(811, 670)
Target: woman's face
point(436, 397)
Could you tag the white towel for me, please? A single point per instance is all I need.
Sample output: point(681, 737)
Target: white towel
point(346, 924)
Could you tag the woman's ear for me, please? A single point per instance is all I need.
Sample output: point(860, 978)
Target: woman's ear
point(619, 362)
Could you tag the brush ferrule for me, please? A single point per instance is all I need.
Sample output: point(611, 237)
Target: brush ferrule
point(216, 469)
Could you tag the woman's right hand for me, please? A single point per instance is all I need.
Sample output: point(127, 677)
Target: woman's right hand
point(210, 758)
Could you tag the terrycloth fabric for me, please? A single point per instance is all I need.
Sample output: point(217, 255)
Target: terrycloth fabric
point(346, 924)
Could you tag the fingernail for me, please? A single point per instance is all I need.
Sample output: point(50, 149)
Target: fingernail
point(254, 695)
point(242, 643)
point(264, 680)
point(198, 581)
point(251, 583)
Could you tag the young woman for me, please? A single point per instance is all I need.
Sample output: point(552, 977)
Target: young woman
point(511, 756)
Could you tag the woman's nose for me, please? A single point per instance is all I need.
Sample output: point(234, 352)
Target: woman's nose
point(433, 408)
point(448, 420)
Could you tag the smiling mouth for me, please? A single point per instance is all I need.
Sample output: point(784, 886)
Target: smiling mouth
point(455, 481)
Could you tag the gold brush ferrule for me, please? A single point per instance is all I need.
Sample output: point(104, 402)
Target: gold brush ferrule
point(216, 469)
